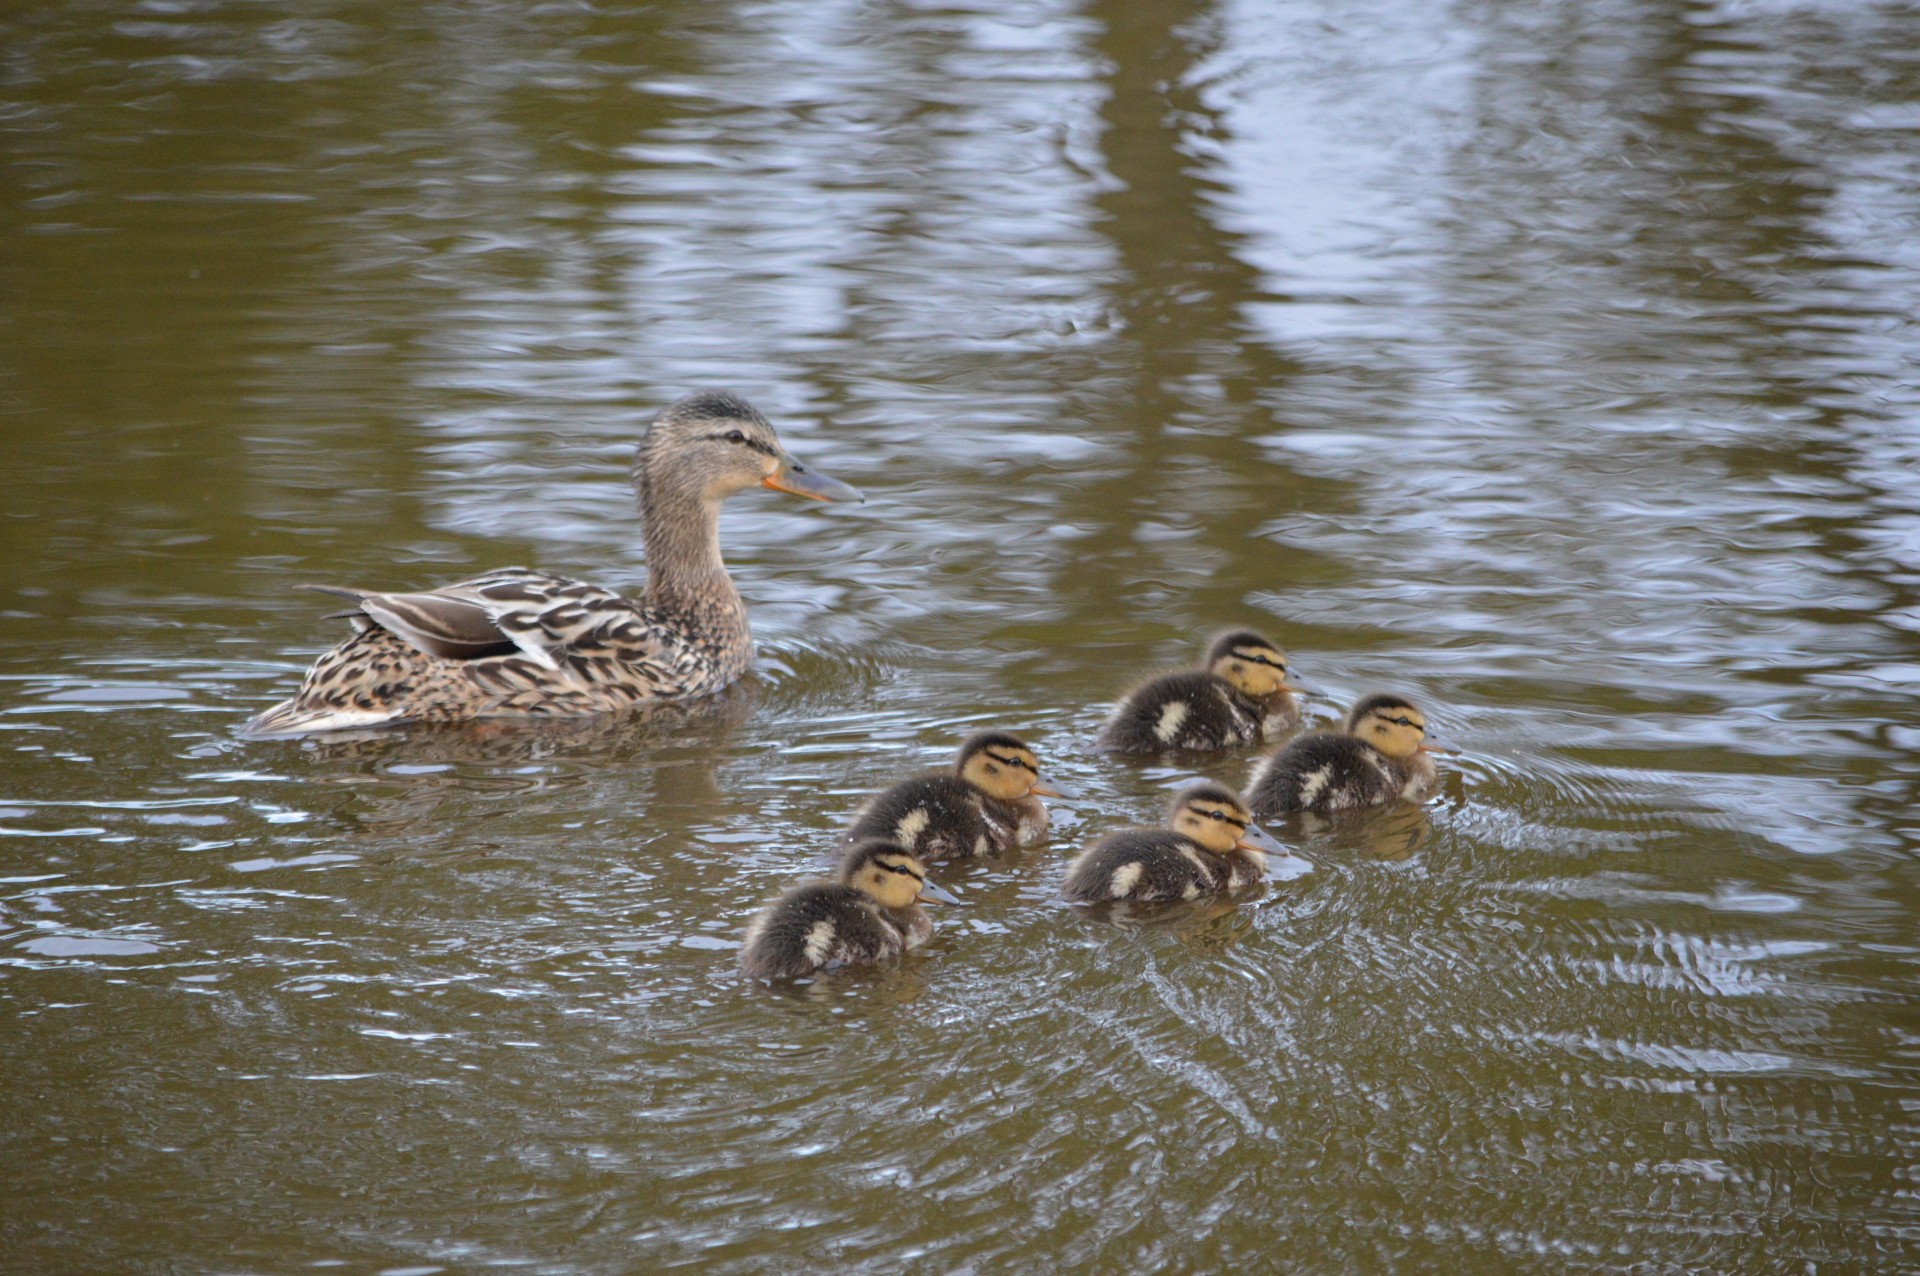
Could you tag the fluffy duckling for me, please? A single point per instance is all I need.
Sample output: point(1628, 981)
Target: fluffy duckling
point(988, 802)
point(870, 914)
point(1241, 694)
point(1210, 847)
point(1382, 756)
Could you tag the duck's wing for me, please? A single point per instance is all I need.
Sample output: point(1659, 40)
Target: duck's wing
point(542, 616)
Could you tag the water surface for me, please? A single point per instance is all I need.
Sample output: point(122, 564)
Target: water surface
point(1553, 363)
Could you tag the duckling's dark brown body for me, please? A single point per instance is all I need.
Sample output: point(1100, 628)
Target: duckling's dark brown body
point(1150, 865)
point(939, 816)
point(819, 925)
point(1196, 710)
point(1327, 772)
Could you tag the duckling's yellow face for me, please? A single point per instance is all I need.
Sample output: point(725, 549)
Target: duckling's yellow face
point(893, 879)
point(1254, 669)
point(1006, 772)
point(1210, 820)
point(1396, 730)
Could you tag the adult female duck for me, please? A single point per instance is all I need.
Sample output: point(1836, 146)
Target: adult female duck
point(516, 643)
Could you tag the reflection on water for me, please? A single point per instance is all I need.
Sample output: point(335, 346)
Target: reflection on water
point(1552, 364)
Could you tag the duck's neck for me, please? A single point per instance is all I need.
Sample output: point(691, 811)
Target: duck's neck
point(685, 573)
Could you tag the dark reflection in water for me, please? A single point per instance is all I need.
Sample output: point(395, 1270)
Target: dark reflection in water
point(1551, 363)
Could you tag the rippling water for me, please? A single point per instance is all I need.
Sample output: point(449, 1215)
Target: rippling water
point(1554, 363)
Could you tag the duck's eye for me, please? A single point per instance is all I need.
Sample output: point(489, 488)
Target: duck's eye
point(735, 436)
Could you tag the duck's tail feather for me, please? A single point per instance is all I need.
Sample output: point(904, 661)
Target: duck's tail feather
point(296, 717)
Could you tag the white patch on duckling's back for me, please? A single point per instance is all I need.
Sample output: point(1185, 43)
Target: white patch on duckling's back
point(911, 826)
point(1314, 785)
point(819, 941)
point(1125, 878)
point(1171, 717)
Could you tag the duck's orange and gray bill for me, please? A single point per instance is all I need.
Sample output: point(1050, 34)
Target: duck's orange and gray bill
point(1052, 789)
point(1430, 743)
point(801, 481)
point(1301, 686)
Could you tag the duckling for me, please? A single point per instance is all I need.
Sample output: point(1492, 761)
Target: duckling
point(988, 802)
point(1210, 847)
point(1242, 693)
point(1382, 756)
point(516, 643)
point(870, 913)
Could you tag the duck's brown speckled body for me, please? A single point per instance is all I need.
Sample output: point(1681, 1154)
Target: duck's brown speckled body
point(516, 643)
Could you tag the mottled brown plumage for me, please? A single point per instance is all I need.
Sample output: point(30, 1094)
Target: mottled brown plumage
point(516, 643)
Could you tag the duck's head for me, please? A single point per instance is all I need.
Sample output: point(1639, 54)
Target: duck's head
point(1002, 766)
point(1394, 726)
point(715, 444)
point(1253, 665)
point(887, 873)
point(1214, 816)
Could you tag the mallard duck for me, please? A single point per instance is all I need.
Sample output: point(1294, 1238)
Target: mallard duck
point(1381, 757)
point(988, 802)
point(516, 643)
point(1211, 846)
point(870, 913)
point(1242, 693)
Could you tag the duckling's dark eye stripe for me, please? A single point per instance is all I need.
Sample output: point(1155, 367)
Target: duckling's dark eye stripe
point(1222, 816)
point(904, 872)
point(1281, 665)
point(1014, 762)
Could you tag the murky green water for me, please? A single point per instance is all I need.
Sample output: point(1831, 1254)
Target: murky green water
point(1553, 362)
